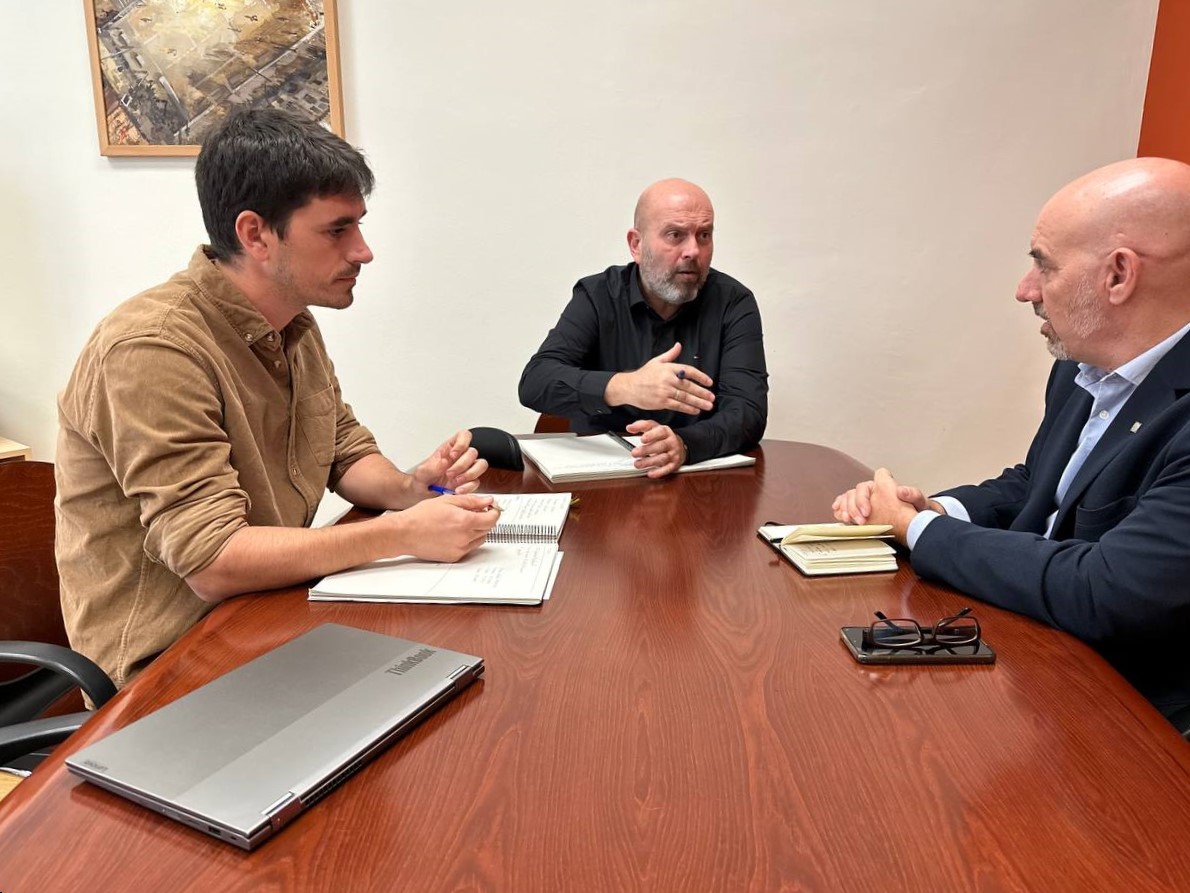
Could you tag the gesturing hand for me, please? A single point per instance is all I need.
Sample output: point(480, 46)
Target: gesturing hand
point(662, 384)
point(455, 465)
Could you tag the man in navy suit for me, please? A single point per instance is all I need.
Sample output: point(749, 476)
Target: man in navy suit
point(1091, 534)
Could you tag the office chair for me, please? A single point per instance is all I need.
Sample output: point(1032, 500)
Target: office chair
point(498, 447)
point(39, 675)
point(1181, 721)
point(551, 424)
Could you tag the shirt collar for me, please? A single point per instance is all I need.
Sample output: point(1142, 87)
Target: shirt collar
point(635, 295)
point(234, 305)
point(1135, 370)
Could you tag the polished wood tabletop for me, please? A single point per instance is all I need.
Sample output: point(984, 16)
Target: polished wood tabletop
point(680, 716)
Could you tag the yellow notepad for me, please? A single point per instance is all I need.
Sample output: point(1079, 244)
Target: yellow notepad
point(817, 533)
point(818, 549)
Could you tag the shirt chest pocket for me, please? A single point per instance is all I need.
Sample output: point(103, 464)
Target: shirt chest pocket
point(316, 422)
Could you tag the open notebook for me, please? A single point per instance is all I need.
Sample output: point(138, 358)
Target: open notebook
point(516, 566)
point(819, 549)
point(566, 458)
point(494, 574)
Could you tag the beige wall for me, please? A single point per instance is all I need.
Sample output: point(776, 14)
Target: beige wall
point(875, 167)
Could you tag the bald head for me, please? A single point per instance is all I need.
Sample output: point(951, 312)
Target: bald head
point(1142, 204)
point(669, 195)
point(1111, 251)
point(672, 240)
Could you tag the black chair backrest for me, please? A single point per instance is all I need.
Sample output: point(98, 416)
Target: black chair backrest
point(498, 447)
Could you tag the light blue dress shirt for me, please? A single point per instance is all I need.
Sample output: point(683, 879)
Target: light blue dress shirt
point(1109, 392)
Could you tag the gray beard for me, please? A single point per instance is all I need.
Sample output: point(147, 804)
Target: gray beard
point(1057, 349)
point(1086, 314)
point(668, 290)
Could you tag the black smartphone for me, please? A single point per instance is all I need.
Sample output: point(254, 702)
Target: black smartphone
point(975, 653)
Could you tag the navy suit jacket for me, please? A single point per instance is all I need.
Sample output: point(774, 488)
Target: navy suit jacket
point(1116, 570)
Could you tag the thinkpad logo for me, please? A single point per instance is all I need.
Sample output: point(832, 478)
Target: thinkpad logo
point(400, 669)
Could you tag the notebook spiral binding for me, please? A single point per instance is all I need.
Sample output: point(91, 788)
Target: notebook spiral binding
point(522, 533)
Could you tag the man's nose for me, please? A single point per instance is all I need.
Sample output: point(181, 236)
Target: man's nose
point(360, 252)
point(1028, 290)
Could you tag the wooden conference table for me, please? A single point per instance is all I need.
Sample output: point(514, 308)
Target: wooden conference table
point(679, 716)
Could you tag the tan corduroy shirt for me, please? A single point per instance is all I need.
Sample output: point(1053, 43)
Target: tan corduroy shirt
point(186, 418)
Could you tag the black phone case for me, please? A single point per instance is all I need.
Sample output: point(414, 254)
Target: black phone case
point(853, 638)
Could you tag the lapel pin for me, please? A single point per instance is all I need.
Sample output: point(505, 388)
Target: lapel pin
point(1135, 427)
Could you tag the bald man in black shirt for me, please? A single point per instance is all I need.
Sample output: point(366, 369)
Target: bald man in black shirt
point(664, 347)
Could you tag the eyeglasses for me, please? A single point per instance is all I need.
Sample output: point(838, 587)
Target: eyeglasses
point(905, 632)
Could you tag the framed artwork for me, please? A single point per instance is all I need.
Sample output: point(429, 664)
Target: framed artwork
point(166, 71)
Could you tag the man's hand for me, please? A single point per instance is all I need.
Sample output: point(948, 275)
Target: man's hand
point(883, 501)
point(257, 558)
point(446, 528)
point(455, 465)
point(661, 451)
point(658, 385)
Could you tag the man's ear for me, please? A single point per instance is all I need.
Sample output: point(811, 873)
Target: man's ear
point(634, 244)
point(1123, 275)
point(256, 237)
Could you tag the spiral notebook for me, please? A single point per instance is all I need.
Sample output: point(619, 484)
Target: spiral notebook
point(494, 574)
point(516, 566)
point(530, 517)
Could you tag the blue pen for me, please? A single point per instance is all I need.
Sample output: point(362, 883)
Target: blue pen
point(681, 375)
point(442, 491)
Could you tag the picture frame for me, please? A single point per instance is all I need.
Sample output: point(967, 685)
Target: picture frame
point(164, 73)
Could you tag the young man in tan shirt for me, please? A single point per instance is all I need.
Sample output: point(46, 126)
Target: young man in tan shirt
point(203, 421)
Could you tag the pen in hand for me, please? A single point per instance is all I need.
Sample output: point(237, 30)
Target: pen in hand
point(625, 443)
point(446, 491)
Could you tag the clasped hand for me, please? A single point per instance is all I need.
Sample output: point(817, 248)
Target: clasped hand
point(883, 501)
point(661, 451)
point(657, 385)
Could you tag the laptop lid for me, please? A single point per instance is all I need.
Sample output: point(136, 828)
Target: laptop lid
point(244, 754)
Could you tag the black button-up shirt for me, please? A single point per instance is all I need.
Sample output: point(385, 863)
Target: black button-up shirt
point(608, 327)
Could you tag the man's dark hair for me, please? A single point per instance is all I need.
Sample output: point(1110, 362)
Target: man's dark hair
point(271, 162)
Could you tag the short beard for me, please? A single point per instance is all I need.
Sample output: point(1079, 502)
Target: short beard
point(666, 288)
point(1086, 317)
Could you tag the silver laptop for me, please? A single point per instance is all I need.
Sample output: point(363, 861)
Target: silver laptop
point(244, 754)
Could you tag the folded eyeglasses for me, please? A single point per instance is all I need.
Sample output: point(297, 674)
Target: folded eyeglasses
point(905, 632)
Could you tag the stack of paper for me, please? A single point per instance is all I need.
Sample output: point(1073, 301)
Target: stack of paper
point(495, 573)
point(567, 458)
point(816, 549)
